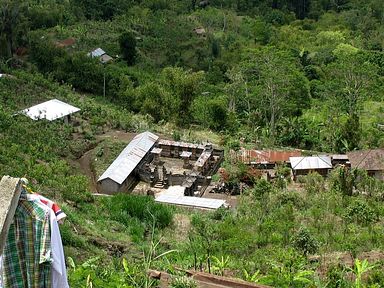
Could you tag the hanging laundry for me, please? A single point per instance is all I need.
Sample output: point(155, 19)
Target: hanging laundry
point(1, 271)
point(59, 270)
point(27, 252)
point(56, 209)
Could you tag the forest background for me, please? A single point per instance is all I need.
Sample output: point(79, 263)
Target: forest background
point(305, 74)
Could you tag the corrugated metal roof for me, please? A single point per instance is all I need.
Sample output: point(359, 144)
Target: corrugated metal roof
point(181, 144)
point(310, 162)
point(96, 53)
point(266, 156)
point(191, 201)
point(130, 157)
point(370, 160)
point(340, 157)
point(50, 110)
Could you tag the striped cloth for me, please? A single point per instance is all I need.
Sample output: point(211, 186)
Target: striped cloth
point(60, 215)
point(27, 253)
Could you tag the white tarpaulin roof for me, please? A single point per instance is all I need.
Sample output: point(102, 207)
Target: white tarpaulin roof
point(191, 201)
point(50, 110)
point(130, 157)
point(310, 162)
point(96, 53)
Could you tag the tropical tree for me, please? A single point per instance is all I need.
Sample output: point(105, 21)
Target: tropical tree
point(278, 85)
point(12, 25)
point(349, 78)
point(127, 43)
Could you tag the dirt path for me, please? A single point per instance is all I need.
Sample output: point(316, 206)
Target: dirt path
point(118, 135)
point(85, 161)
point(85, 165)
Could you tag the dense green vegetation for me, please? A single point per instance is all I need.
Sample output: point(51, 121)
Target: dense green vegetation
point(303, 74)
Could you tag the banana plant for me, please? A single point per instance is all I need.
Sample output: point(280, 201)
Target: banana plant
point(359, 268)
point(220, 264)
point(255, 277)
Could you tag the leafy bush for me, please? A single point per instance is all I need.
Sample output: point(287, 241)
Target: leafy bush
point(77, 189)
point(343, 180)
point(262, 188)
point(313, 183)
point(290, 198)
point(360, 212)
point(305, 242)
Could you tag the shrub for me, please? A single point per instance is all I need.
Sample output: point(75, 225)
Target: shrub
point(262, 187)
point(314, 183)
point(290, 197)
point(305, 242)
point(360, 212)
point(343, 180)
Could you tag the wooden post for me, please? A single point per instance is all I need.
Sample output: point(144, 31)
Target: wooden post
point(10, 189)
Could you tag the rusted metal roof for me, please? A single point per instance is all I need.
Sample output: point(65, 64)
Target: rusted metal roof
point(266, 156)
point(130, 157)
point(370, 160)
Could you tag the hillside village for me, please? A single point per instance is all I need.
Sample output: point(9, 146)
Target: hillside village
point(185, 144)
point(181, 173)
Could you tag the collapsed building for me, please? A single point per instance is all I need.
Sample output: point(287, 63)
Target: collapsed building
point(162, 163)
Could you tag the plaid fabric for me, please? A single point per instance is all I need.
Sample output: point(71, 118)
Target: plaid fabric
point(27, 256)
point(59, 214)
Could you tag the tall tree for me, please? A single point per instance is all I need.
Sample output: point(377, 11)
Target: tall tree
point(12, 22)
point(184, 86)
point(349, 78)
point(280, 88)
point(127, 43)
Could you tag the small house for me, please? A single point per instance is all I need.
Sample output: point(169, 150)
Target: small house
point(340, 159)
point(266, 159)
point(308, 164)
point(122, 173)
point(51, 110)
point(101, 55)
point(371, 161)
